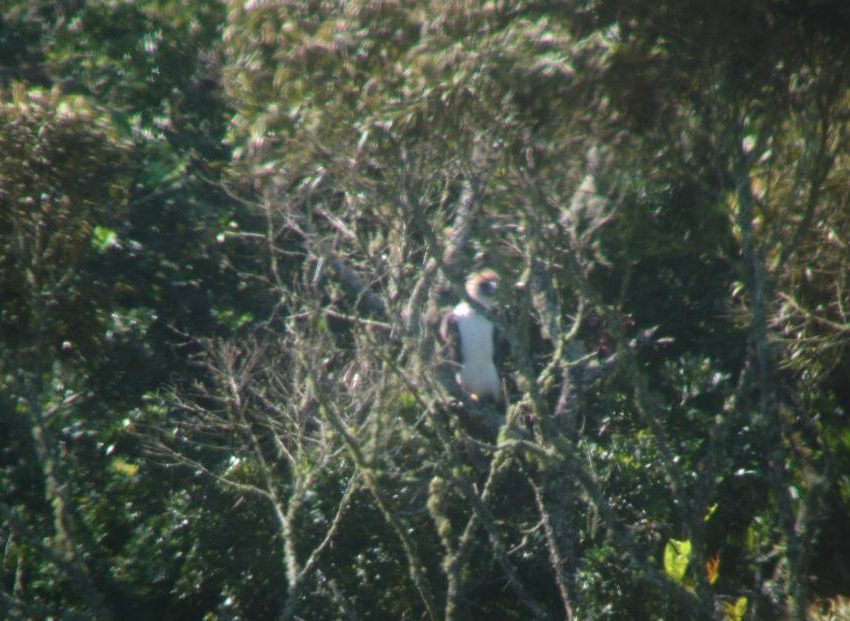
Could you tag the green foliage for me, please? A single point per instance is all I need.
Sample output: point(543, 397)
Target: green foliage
point(677, 557)
point(62, 176)
point(226, 230)
point(735, 611)
point(104, 238)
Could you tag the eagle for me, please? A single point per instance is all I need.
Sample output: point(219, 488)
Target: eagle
point(471, 336)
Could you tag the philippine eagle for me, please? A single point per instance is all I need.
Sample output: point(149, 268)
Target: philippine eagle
point(472, 338)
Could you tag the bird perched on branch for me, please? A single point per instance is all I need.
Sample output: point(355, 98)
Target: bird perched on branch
point(472, 338)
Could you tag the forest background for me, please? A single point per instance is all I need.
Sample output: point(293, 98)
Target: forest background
point(227, 233)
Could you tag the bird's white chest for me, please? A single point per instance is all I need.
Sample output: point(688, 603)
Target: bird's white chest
point(478, 373)
point(476, 334)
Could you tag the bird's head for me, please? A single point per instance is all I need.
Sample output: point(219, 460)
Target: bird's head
point(481, 287)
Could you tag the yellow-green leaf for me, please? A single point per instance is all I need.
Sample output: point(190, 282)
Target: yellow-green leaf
point(126, 468)
point(752, 539)
point(677, 555)
point(104, 238)
point(735, 611)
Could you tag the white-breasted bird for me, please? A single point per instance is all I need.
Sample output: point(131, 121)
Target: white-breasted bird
point(472, 337)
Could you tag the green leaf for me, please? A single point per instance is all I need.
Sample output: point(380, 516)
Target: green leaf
point(407, 400)
point(677, 555)
point(123, 467)
point(104, 238)
point(735, 611)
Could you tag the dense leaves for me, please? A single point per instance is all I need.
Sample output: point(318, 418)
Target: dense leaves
point(227, 234)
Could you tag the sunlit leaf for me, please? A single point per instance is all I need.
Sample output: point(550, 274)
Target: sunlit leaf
point(735, 611)
point(104, 238)
point(712, 568)
point(123, 467)
point(677, 556)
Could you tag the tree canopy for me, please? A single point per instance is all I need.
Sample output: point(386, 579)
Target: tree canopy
point(228, 232)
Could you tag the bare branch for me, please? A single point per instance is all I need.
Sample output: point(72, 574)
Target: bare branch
point(554, 546)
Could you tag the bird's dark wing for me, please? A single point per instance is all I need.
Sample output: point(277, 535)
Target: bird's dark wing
point(450, 336)
point(450, 355)
point(501, 349)
point(501, 344)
